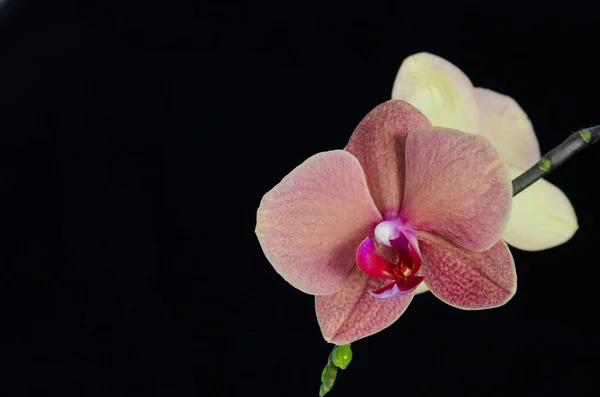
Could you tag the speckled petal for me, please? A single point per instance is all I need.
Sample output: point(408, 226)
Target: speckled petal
point(310, 225)
point(351, 313)
point(457, 186)
point(506, 125)
point(466, 279)
point(378, 143)
point(542, 217)
point(438, 89)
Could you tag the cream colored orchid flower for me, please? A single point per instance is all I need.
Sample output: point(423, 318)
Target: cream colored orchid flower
point(542, 216)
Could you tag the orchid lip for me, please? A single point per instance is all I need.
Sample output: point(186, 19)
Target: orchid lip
point(371, 263)
point(397, 288)
point(403, 270)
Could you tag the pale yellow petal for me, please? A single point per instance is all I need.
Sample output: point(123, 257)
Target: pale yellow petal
point(542, 217)
point(506, 125)
point(438, 89)
point(421, 288)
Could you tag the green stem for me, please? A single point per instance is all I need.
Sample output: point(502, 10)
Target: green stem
point(575, 143)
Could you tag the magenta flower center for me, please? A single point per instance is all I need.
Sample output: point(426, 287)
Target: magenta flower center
point(404, 263)
point(402, 270)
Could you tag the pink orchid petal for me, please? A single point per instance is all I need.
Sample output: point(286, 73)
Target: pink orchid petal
point(457, 186)
point(466, 279)
point(369, 261)
point(352, 314)
point(506, 125)
point(398, 288)
point(378, 143)
point(310, 225)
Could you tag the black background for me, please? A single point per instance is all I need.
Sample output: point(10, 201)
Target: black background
point(137, 138)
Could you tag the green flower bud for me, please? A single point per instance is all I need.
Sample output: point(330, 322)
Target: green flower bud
point(329, 378)
point(323, 390)
point(324, 373)
point(342, 356)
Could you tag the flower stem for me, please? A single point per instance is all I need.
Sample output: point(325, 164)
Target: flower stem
point(575, 143)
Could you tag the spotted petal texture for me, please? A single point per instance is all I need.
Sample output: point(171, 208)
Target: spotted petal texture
point(311, 223)
point(457, 186)
point(467, 279)
point(378, 144)
point(352, 313)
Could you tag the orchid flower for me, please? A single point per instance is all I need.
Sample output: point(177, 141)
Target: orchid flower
point(404, 204)
point(542, 216)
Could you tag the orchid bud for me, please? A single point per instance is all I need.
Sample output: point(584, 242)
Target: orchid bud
point(342, 356)
point(328, 378)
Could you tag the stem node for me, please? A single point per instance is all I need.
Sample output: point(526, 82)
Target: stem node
point(575, 143)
